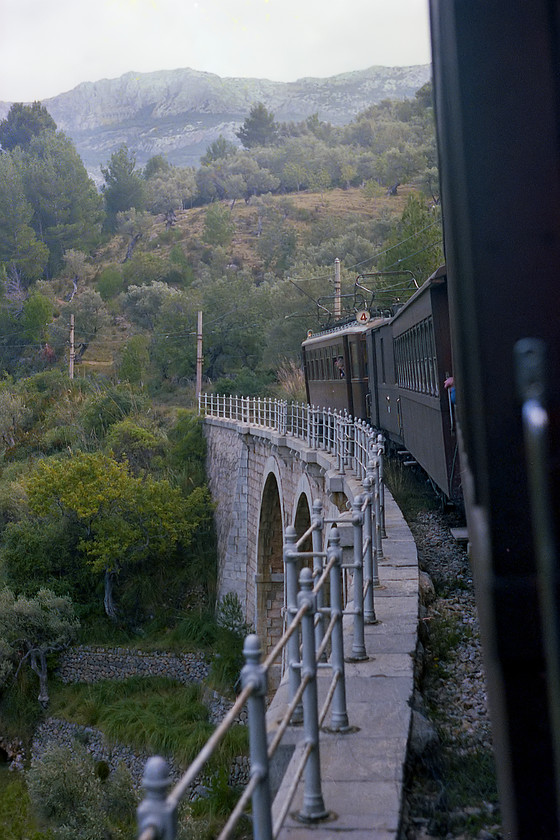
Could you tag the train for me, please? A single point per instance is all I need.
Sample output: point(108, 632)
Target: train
point(389, 366)
point(496, 81)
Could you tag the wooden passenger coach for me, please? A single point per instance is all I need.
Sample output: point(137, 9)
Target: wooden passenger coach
point(414, 408)
point(391, 372)
point(336, 374)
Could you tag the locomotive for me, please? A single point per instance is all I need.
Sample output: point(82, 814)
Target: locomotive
point(390, 369)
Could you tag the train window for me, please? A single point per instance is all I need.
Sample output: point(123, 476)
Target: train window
point(433, 358)
point(420, 384)
point(415, 359)
point(354, 360)
point(397, 354)
point(424, 357)
point(382, 354)
point(415, 366)
point(338, 367)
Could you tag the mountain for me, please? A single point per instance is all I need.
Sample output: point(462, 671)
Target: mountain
point(178, 113)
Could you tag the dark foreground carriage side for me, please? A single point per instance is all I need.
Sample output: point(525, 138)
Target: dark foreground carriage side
point(497, 96)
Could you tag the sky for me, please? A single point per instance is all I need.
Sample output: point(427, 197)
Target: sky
point(48, 47)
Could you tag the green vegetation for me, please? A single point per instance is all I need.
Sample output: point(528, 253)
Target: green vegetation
point(105, 516)
point(78, 798)
point(153, 714)
point(136, 263)
point(16, 815)
point(462, 788)
point(410, 490)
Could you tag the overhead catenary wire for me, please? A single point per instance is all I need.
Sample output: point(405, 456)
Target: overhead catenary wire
point(372, 258)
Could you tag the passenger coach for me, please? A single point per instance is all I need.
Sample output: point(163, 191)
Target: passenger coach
point(391, 372)
point(410, 360)
point(336, 373)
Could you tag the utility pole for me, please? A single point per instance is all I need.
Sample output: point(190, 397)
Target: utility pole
point(199, 356)
point(337, 301)
point(71, 364)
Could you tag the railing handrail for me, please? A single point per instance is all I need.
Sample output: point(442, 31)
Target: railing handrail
point(351, 441)
point(355, 446)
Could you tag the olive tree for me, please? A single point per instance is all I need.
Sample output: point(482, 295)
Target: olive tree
point(31, 629)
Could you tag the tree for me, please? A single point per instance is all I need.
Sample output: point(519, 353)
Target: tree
point(90, 315)
point(259, 128)
point(123, 520)
point(135, 360)
point(110, 283)
point(220, 148)
point(77, 267)
point(156, 165)
point(36, 316)
point(416, 243)
point(218, 226)
point(23, 123)
point(294, 175)
point(32, 628)
point(123, 188)
point(22, 254)
point(142, 303)
point(173, 347)
point(132, 225)
point(67, 209)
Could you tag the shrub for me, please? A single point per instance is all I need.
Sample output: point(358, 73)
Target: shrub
point(232, 629)
point(110, 283)
point(108, 407)
point(67, 791)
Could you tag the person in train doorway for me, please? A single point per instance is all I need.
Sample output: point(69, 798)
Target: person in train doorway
point(449, 386)
point(340, 367)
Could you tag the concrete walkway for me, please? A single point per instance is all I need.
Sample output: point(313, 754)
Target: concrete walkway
point(362, 771)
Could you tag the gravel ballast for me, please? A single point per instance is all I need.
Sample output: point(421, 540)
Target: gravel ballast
point(450, 790)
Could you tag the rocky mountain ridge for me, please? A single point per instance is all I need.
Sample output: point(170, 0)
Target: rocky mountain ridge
point(178, 113)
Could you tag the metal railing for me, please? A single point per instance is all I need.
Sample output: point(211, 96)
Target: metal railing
point(314, 624)
point(351, 442)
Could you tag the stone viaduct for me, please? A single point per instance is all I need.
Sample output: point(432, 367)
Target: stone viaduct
point(262, 481)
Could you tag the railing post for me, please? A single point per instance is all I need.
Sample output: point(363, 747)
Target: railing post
point(154, 810)
point(371, 573)
point(254, 674)
point(291, 577)
point(370, 476)
point(317, 547)
point(377, 502)
point(340, 436)
point(313, 805)
point(358, 642)
point(381, 453)
point(339, 715)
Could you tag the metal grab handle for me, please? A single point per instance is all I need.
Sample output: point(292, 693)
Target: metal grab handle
point(531, 379)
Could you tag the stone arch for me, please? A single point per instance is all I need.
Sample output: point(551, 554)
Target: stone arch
point(270, 564)
point(302, 520)
point(303, 505)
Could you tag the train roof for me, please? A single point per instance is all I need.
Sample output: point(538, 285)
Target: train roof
point(436, 279)
point(351, 327)
point(348, 328)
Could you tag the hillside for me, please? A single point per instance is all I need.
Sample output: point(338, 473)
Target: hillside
point(178, 113)
point(245, 260)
